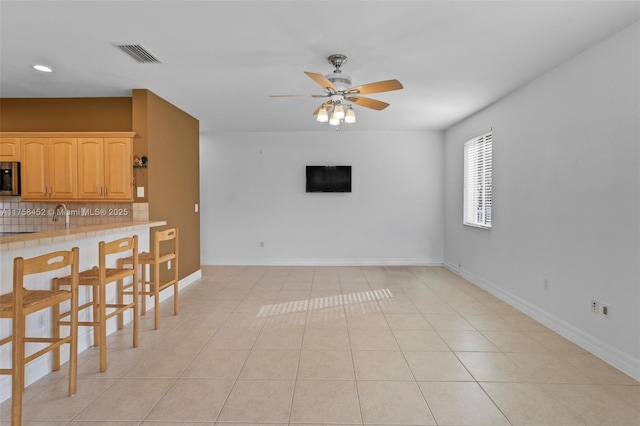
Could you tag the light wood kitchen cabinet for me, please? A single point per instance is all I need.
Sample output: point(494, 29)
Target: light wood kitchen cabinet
point(49, 168)
point(118, 168)
point(90, 168)
point(72, 166)
point(9, 149)
point(105, 169)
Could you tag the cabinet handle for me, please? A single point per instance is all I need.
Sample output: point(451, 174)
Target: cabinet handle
point(44, 191)
point(105, 191)
point(100, 191)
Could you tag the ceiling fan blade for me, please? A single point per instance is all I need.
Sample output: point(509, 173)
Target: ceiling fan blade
point(368, 102)
point(321, 80)
point(297, 96)
point(377, 87)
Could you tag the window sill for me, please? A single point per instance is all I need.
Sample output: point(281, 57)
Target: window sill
point(476, 225)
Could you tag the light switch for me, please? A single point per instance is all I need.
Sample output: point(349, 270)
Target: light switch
point(196, 207)
point(140, 191)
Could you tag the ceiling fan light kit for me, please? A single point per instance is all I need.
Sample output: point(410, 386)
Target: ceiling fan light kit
point(340, 94)
point(323, 114)
point(350, 116)
point(338, 112)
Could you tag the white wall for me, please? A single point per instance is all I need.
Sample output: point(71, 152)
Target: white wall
point(253, 189)
point(566, 199)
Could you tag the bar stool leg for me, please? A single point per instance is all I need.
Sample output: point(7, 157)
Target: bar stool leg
point(176, 306)
point(73, 345)
point(103, 327)
point(144, 289)
point(17, 364)
point(119, 291)
point(55, 331)
point(136, 315)
point(156, 295)
point(95, 296)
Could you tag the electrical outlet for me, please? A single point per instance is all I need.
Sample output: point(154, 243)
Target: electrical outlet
point(261, 243)
point(40, 320)
point(605, 310)
point(545, 283)
point(595, 306)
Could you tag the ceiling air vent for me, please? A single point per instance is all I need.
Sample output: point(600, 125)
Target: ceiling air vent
point(138, 53)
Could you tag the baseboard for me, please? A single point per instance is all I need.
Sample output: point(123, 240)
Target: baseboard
point(41, 366)
point(323, 262)
point(604, 351)
point(190, 279)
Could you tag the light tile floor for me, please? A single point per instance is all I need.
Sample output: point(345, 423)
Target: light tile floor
point(338, 345)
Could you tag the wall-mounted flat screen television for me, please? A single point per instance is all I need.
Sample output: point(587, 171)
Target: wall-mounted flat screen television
point(328, 178)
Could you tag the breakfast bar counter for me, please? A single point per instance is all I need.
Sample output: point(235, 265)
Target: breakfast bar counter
point(32, 239)
point(86, 238)
point(27, 245)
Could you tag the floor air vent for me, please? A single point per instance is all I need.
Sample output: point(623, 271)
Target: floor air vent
point(138, 53)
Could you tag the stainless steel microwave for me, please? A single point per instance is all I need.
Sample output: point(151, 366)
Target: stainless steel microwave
point(9, 178)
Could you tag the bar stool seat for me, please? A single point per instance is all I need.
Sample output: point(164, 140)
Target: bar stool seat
point(93, 275)
point(32, 300)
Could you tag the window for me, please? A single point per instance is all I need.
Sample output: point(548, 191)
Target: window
point(477, 181)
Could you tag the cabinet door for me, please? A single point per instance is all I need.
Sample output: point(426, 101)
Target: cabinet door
point(63, 168)
point(34, 173)
point(118, 169)
point(9, 149)
point(91, 168)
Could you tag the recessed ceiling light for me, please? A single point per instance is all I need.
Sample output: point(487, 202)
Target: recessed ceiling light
point(43, 68)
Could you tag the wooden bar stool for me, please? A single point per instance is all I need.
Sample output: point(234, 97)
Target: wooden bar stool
point(98, 278)
point(22, 302)
point(162, 240)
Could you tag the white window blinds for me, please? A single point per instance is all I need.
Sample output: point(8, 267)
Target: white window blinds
point(477, 181)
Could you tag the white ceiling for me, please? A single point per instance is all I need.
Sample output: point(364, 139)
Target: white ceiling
point(221, 59)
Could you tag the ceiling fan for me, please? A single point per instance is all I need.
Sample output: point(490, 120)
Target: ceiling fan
point(339, 94)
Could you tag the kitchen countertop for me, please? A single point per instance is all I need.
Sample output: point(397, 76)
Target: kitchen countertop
point(18, 241)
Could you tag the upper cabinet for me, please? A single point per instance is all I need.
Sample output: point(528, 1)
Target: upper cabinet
point(91, 168)
point(75, 166)
point(105, 169)
point(118, 168)
point(49, 168)
point(9, 149)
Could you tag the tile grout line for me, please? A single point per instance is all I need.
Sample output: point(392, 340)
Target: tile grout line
point(409, 365)
point(353, 365)
point(295, 379)
point(235, 381)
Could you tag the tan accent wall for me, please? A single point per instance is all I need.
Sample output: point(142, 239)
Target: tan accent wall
point(140, 120)
point(172, 139)
point(65, 114)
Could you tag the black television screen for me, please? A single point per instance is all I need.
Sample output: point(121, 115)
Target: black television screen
point(328, 178)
